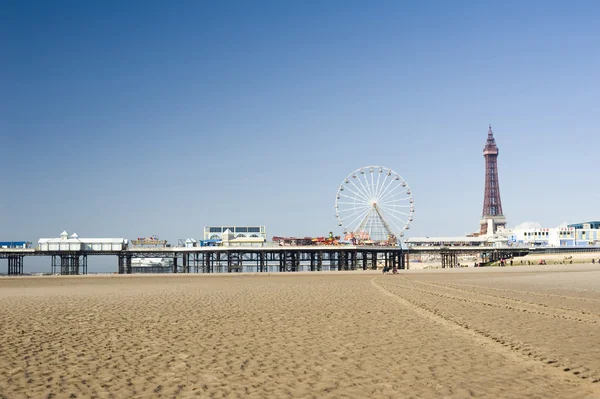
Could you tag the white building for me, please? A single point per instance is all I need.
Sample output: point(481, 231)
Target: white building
point(228, 239)
point(74, 243)
point(214, 232)
point(570, 236)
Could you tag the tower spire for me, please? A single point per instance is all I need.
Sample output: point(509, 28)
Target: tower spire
point(492, 217)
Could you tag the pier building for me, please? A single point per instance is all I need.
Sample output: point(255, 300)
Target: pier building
point(74, 243)
point(215, 232)
point(15, 244)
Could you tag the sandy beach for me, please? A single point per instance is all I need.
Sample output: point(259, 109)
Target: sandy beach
point(520, 332)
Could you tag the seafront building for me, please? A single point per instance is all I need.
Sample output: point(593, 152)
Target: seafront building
point(584, 234)
point(216, 232)
point(74, 243)
point(574, 235)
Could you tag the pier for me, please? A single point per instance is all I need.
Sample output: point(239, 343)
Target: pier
point(220, 259)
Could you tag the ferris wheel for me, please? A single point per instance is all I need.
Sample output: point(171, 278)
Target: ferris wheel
point(374, 204)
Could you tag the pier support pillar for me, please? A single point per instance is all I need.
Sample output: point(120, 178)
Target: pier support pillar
point(282, 256)
point(120, 264)
point(186, 262)
point(69, 264)
point(175, 264)
point(128, 269)
point(15, 265)
point(207, 262)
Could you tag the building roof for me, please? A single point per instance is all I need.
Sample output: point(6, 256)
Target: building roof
point(590, 222)
point(84, 240)
point(446, 239)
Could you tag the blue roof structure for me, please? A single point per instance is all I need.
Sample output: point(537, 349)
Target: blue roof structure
point(14, 244)
point(593, 224)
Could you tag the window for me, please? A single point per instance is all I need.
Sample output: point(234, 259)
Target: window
point(253, 229)
point(241, 229)
point(214, 230)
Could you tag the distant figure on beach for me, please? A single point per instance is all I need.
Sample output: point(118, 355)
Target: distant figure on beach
point(511, 262)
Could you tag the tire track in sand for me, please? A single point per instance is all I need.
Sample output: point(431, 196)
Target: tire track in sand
point(481, 290)
point(529, 307)
point(493, 341)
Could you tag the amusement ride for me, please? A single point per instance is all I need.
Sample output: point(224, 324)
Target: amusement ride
point(374, 205)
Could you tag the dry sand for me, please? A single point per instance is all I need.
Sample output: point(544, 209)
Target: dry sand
point(526, 332)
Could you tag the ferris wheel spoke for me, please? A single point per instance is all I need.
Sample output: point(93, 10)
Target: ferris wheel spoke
point(349, 213)
point(398, 197)
point(395, 211)
point(385, 190)
point(355, 198)
point(399, 202)
point(362, 226)
point(361, 217)
point(398, 223)
point(365, 189)
point(360, 191)
point(356, 194)
point(377, 184)
point(383, 186)
point(372, 187)
point(352, 209)
point(392, 191)
point(399, 214)
point(398, 228)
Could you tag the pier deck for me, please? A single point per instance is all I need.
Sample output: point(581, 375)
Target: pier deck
point(223, 259)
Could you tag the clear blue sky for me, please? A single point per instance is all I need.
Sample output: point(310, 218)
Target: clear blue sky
point(131, 118)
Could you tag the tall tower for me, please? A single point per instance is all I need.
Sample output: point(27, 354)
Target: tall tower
point(492, 218)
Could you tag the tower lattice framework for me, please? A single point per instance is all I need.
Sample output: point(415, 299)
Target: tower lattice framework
point(492, 216)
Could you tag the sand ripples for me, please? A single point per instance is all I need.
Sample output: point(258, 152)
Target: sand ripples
point(296, 335)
